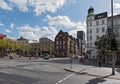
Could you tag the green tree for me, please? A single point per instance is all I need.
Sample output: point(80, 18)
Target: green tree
point(103, 42)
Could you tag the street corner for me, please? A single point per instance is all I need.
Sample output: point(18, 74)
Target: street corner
point(116, 76)
point(75, 70)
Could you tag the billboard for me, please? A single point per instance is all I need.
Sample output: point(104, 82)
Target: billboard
point(101, 15)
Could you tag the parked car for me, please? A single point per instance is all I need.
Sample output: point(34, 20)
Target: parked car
point(75, 56)
point(47, 57)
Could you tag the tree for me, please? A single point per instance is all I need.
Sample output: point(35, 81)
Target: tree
point(102, 42)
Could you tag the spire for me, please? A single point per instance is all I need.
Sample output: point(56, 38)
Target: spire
point(91, 11)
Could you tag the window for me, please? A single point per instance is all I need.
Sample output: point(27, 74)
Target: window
point(97, 22)
point(90, 38)
point(116, 30)
point(87, 31)
point(60, 47)
point(90, 44)
point(57, 42)
point(97, 30)
point(90, 23)
point(97, 37)
point(57, 38)
point(87, 38)
point(87, 24)
point(64, 47)
point(103, 21)
point(63, 42)
point(103, 29)
point(116, 22)
point(87, 45)
point(60, 42)
point(90, 31)
point(56, 47)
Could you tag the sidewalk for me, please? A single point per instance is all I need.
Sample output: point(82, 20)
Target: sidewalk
point(103, 72)
point(17, 58)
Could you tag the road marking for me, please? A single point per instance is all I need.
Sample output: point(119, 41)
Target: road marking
point(28, 68)
point(65, 79)
point(5, 72)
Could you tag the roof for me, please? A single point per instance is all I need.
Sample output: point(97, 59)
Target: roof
point(2, 35)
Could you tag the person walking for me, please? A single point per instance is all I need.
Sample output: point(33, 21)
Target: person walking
point(100, 63)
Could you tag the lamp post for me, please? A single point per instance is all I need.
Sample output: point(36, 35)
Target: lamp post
point(113, 53)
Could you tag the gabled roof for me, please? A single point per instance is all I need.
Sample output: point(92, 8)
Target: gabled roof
point(2, 35)
point(65, 34)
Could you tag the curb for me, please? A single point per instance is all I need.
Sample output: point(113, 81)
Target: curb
point(81, 72)
point(71, 71)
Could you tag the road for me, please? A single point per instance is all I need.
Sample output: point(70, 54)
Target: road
point(46, 72)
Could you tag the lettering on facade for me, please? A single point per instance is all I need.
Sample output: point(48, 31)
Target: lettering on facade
point(101, 15)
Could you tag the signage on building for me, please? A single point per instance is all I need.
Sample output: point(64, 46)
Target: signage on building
point(101, 15)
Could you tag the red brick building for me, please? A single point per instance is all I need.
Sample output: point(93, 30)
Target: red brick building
point(65, 45)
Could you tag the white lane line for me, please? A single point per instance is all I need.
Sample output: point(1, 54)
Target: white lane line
point(65, 79)
point(5, 72)
point(28, 68)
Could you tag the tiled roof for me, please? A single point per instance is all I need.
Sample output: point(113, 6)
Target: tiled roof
point(2, 35)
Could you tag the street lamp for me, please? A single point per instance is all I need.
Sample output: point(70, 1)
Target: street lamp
point(113, 58)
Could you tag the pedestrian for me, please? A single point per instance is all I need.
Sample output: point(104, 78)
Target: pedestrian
point(99, 63)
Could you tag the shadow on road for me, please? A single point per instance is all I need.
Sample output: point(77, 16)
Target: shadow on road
point(97, 80)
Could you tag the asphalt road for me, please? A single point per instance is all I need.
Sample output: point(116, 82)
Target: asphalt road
point(46, 72)
point(32, 72)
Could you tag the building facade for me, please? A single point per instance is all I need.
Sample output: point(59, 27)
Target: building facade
point(44, 47)
point(96, 27)
point(65, 45)
point(116, 31)
point(25, 46)
point(116, 27)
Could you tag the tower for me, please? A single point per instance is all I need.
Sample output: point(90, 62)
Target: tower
point(81, 41)
point(90, 11)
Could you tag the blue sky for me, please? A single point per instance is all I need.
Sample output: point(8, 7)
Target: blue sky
point(34, 19)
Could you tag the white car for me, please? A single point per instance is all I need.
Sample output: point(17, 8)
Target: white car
point(47, 57)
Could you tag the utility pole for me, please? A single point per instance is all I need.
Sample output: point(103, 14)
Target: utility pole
point(113, 58)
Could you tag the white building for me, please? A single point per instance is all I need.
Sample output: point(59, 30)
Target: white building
point(96, 27)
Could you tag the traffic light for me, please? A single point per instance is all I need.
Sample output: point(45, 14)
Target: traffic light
point(113, 44)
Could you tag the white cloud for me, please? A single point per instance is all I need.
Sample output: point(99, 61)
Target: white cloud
point(39, 6)
point(12, 25)
point(42, 6)
point(65, 22)
point(60, 21)
point(34, 33)
point(80, 26)
point(50, 31)
point(1, 24)
point(4, 5)
point(21, 4)
point(8, 31)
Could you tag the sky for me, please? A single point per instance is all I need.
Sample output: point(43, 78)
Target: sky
point(35, 19)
